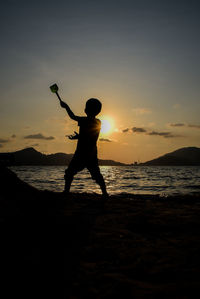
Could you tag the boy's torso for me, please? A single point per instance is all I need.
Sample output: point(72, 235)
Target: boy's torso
point(88, 135)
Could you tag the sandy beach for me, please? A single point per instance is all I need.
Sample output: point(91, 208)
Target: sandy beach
point(78, 247)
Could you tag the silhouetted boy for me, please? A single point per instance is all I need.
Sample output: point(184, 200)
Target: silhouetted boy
point(86, 152)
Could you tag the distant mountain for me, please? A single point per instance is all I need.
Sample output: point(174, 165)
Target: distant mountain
point(182, 157)
point(30, 156)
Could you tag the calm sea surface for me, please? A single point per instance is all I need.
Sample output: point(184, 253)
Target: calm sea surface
point(119, 180)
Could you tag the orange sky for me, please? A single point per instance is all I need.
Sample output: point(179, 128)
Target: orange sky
point(141, 61)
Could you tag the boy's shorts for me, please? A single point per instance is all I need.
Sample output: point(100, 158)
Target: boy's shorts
point(80, 162)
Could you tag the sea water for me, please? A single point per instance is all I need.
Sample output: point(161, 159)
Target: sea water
point(163, 180)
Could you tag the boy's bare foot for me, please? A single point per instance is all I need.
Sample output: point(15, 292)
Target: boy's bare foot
point(105, 196)
point(66, 194)
point(66, 191)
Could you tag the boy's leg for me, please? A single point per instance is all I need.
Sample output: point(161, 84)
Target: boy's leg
point(69, 175)
point(74, 167)
point(97, 176)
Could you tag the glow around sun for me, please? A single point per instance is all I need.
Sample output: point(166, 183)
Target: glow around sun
point(107, 125)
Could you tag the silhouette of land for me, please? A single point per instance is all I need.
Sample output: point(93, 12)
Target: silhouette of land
point(141, 246)
point(187, 156)
point(30, 156)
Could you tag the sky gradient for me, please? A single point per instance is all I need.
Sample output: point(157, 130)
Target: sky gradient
point(140, 58)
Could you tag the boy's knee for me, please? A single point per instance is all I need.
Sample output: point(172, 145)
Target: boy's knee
point(97, 176)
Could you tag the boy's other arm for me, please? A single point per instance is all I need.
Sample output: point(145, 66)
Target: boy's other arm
point(69, 111)
point(72, 137)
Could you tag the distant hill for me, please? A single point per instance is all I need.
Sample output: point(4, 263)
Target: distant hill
point(182, 157)
point(30, 156)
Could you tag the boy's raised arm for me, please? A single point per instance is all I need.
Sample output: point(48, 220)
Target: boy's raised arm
point(54, 89)
point(69, 111)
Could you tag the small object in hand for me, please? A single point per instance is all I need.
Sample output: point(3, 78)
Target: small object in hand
point(54, 88)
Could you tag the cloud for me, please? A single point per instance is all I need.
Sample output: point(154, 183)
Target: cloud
point(105, 140)
point(39, 136)
point(194, 126)
point(184, 125)
point(125, 130)
point(141, 111)
point(138, 130)
point(2, 140)
point(135, 130)
point(177, 125)
point(163, 134)
point(152, 133)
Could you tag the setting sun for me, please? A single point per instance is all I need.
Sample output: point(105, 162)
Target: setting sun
point(107, 125)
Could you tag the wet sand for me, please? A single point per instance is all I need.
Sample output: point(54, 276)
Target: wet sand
point(78, 247)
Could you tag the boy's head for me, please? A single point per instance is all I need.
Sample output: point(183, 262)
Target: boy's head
point(92, 107)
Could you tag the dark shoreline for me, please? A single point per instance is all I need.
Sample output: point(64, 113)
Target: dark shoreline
point(147, 247)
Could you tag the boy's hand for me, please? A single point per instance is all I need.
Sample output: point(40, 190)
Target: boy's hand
point(72, 137)
point(63, 104)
